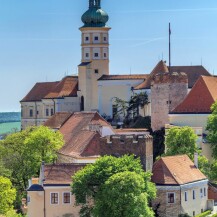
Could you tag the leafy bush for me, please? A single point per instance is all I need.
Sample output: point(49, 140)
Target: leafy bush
point(215, 215)
point(208, 212)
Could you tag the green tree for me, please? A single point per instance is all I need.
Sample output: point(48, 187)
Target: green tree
point(121, 107)
point(137, 101)
point(88, 184)
point(7, 195)
point(23, 152)
point(181, 140)
point(212, 129)
point(123, 195)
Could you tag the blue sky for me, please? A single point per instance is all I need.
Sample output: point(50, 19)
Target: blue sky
point(40, 40)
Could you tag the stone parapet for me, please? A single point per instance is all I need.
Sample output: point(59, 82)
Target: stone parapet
point(138, 145)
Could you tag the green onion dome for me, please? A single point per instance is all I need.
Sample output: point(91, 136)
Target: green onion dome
point(95, 16)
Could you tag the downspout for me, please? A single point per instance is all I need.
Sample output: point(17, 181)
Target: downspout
point(180, 199)
point(43, 179)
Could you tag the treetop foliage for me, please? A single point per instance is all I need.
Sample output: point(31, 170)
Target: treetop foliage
point(90, 183)
point(180, 140)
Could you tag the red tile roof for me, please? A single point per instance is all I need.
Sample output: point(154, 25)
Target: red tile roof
point(79, 136)
point(159, 68)
point(57, 120)
point(39, 91)
point(193, 73)
point(200, 98)
point(124, 77)
point(58, 174)
point(175, 170)
point(68, 86)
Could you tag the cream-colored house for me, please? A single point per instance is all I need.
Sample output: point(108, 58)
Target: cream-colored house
point(181, 187)
point(52, 196)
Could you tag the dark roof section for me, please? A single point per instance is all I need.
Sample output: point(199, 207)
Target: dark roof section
point(123, 77)
point(84, 64)
point(35, 187)
point(67, 87)
point(200, 98)
point(39, 91)
point(60, 174)
point(193, 73)
point(57, 120)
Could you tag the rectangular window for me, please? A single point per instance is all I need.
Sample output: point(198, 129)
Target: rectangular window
point(54, 198)
point(51, 112)
point(86, 38)
point(186, 196)
point(193, 194)
point(105, 39)
point(96, 54)
point(105, 55)
point(87, 55)
point(171, 197)
point(96, 71)
point(47, 112)
point(37, 112)
point(96, 38)
point(193, 213)
point(204, 192)
point(201, 192)
point(30, 113)
point(66, 197)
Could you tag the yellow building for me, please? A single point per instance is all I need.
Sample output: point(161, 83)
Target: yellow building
point(52, 196)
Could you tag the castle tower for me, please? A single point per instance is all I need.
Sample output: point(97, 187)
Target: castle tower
point(168, 90)
point(95, 54)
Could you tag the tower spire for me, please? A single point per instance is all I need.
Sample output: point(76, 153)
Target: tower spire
point(95, 4)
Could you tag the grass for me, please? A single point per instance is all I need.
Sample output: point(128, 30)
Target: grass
point(9, 127)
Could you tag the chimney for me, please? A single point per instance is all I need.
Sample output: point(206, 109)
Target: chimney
point(196, 159)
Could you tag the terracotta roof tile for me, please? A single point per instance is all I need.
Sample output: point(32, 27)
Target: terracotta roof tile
point(159, 68)
point(176, 170)
point(57, 120)
point(123, 77)
point(200, 98)
point(39, 91)
point(68, 86)
point(60, 173)
point(78, 135)
point(193, 73)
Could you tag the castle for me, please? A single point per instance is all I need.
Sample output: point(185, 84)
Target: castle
point(95, 89)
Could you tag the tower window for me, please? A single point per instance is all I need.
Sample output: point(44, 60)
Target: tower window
point(105, 55)
point(96, 38)
point(96, 55)
point(87, 55)
point(105, 39)
point(96, 71)
point(86, 38)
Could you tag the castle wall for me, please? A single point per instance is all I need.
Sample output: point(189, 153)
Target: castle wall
point(119, 145)
point(167, 91)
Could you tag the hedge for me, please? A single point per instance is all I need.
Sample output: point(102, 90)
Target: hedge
point(204, 214)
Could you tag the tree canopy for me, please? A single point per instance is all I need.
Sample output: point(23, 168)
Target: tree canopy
point(21, 154)
point(180, 140)
point(212, 129)
point(93, 183)
point(7, 195)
